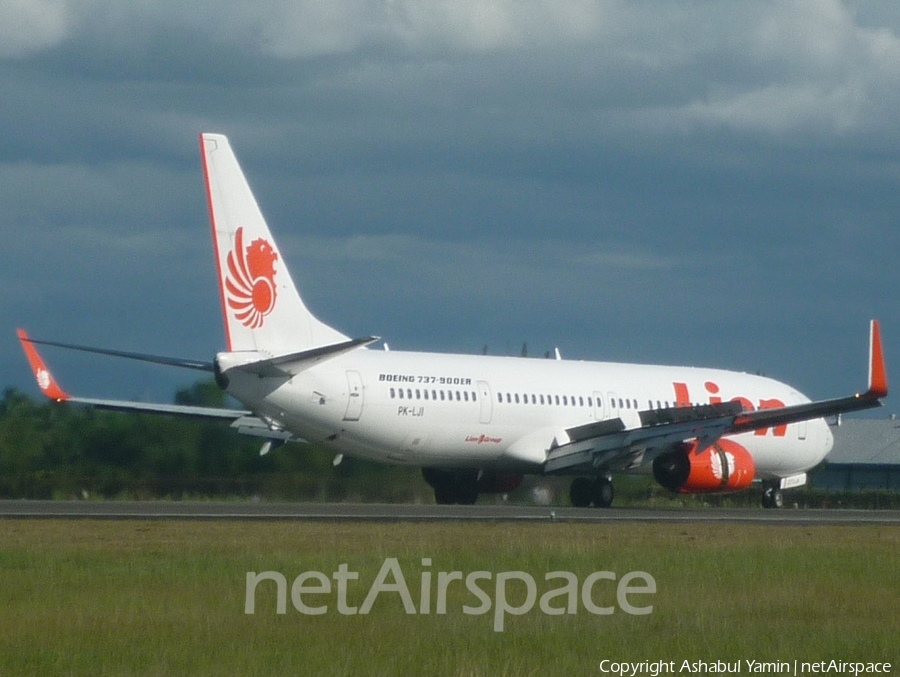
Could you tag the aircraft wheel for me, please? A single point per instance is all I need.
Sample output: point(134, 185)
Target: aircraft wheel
point(772, 498)
point(602, 491)
point(452, 486)
point(580, 492)
point(443, 497)
point(465, 497)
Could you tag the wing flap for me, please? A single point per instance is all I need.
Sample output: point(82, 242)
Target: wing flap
point(620, 447)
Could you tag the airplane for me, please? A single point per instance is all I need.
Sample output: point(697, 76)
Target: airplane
point(475, 423)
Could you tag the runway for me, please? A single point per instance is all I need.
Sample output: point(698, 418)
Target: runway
point(232, 510)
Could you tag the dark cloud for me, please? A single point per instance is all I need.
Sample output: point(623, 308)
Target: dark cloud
point(648, 181)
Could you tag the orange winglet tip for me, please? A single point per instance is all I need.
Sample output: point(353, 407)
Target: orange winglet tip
point(878, 384)
point(42, 375)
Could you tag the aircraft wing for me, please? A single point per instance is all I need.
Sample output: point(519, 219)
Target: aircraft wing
point(48, 385)
point(610, 445)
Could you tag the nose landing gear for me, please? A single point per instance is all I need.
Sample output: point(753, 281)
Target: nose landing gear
point(772, 497)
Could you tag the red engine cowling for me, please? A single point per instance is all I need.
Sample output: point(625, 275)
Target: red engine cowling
point(724, 467)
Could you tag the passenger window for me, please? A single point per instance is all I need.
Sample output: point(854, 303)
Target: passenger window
point(517, 398)
point(393, 393)
point(458, 399)
point(580, 401)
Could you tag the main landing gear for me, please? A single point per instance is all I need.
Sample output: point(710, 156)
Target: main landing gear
point(452, 487)
point(591, 491)
point(462, 486)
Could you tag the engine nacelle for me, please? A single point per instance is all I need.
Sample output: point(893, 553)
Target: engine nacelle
point(724, 467)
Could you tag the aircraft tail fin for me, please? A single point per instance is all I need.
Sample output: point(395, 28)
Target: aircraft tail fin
point(261, 306)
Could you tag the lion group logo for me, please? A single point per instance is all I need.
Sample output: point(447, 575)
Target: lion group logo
point(250, 282)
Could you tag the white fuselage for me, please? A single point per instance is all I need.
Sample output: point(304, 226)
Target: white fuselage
point(506, 413)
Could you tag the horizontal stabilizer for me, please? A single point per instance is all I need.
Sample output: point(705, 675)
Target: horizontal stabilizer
point(294, 363)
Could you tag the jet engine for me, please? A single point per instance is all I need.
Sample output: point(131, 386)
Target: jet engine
point(724, 467)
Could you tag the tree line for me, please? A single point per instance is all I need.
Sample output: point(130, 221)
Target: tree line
point(52, 450)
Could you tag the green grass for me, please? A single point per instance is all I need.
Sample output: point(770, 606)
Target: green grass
point(167, 597)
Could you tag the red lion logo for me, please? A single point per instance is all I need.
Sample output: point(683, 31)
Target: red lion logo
point(250, 283)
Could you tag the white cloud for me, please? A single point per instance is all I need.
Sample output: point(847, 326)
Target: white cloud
point(814, 69)
point(298, 29)
point(28, 26)
point(761, 67)
point(783, 108)
point(305, 28)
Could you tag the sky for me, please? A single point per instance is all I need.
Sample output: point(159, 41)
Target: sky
point(673, 182)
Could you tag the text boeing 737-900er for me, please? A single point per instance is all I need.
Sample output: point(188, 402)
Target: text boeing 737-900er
point(476, 424)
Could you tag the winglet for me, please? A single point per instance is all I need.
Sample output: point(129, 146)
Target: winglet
point(42, 375)
point(878, 384)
